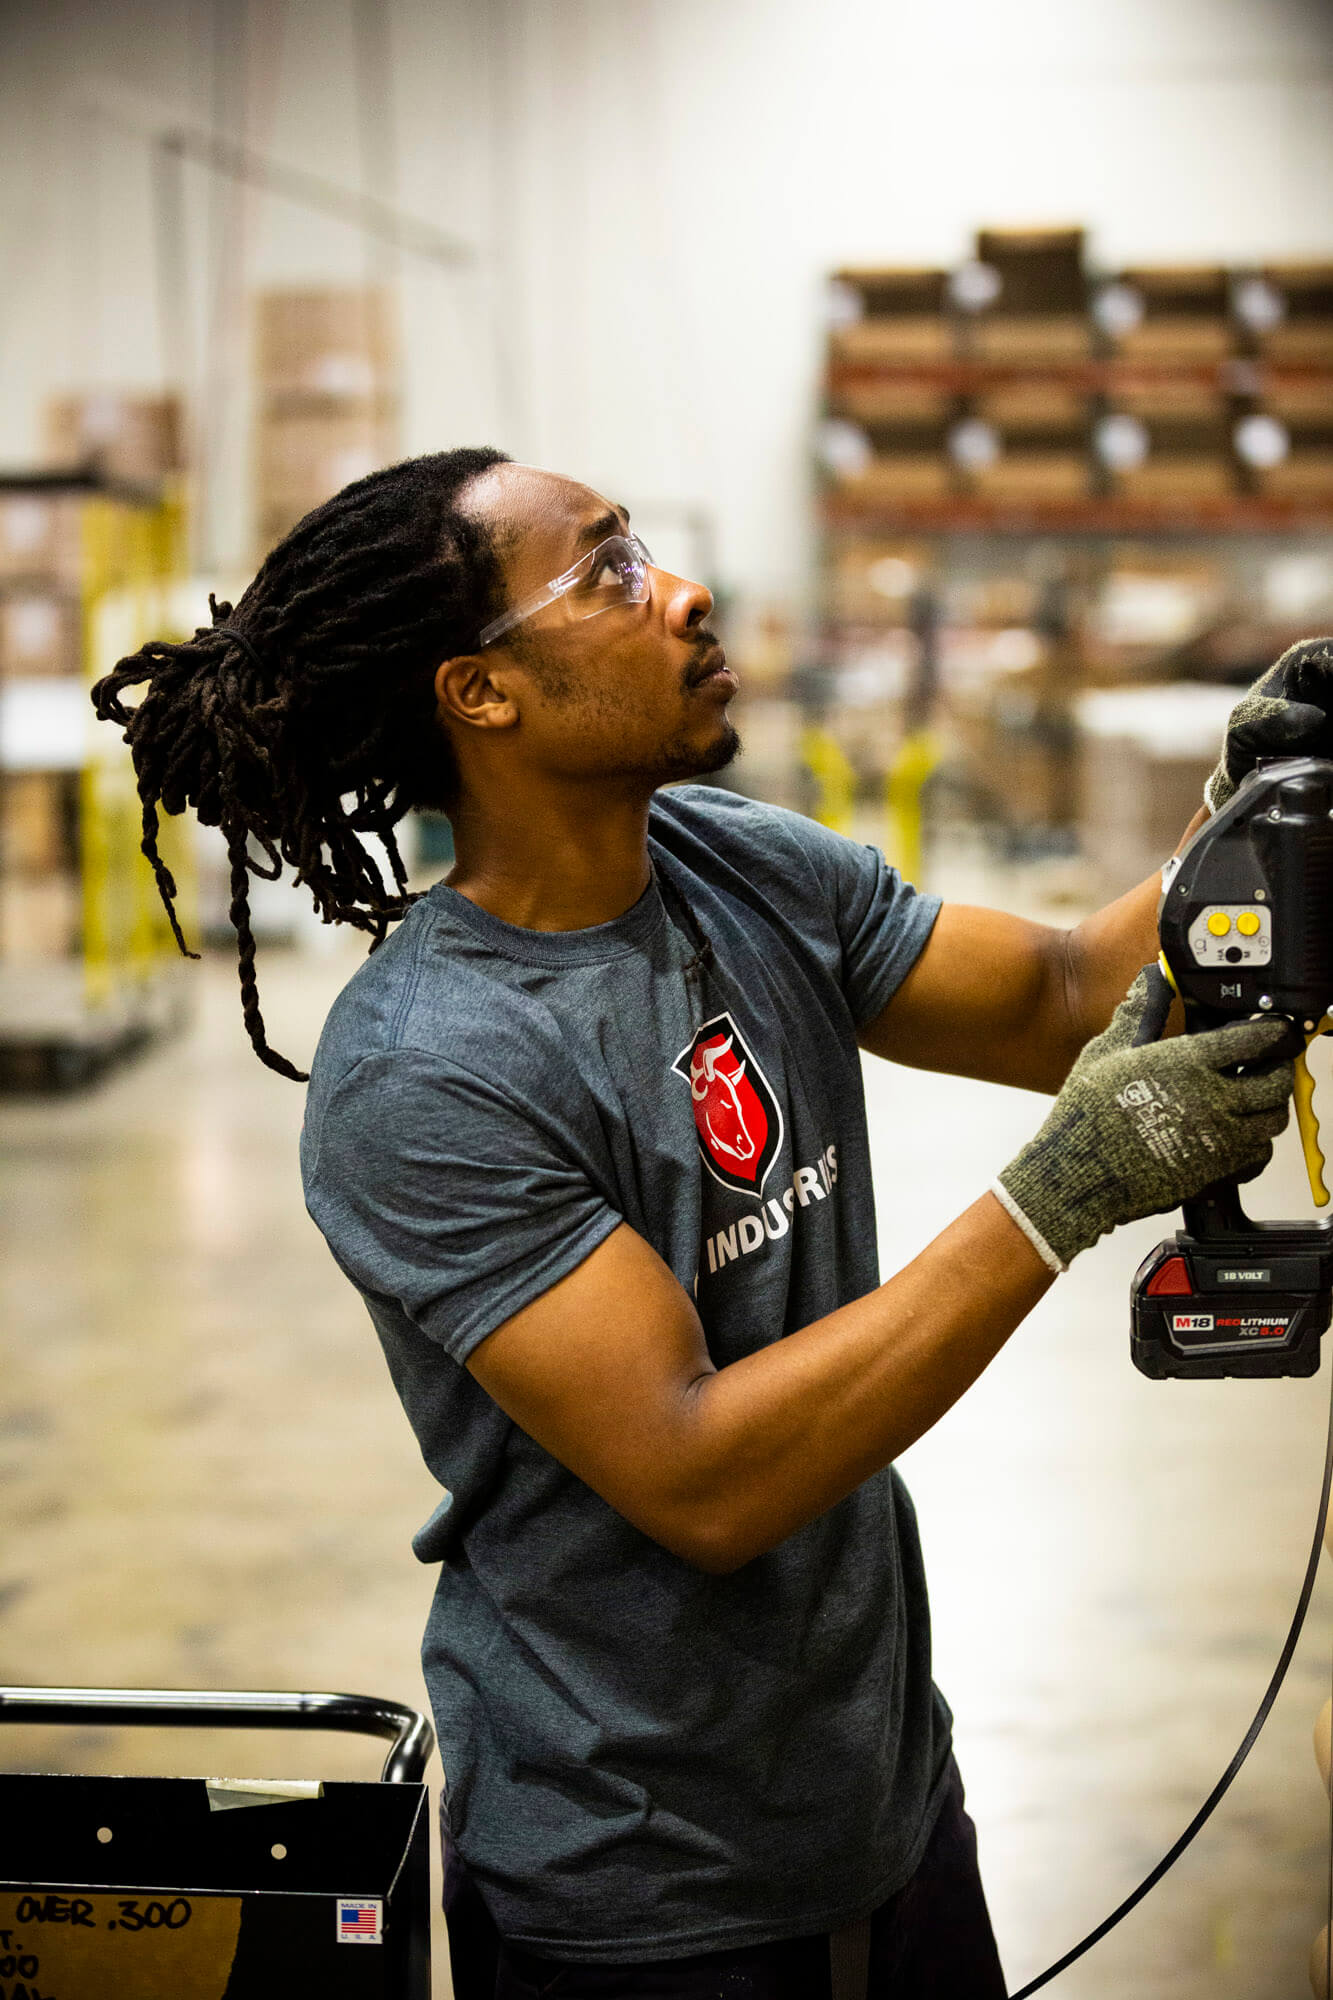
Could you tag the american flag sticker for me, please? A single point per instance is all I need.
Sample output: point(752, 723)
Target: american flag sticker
point(360, 1923)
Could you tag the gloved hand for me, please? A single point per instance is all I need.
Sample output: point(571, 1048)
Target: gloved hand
point(1136, 1130)
point(1287, 713)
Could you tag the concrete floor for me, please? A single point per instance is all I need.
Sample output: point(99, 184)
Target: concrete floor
point(208, 1481)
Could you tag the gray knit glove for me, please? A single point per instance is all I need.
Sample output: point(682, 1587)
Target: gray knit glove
point(1136, 1131)
point(1287, 713)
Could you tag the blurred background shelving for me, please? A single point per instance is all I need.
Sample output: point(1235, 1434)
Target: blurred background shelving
point(1063, 513)
point(980, 360)
point(91, 564)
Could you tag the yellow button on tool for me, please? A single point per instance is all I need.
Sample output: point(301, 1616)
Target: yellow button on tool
point(1247, 923)
point(1219, 923)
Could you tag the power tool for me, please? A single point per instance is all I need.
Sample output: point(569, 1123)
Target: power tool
point(1246, 928)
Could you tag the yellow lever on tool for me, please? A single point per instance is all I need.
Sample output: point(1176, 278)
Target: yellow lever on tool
point(1306, 1121)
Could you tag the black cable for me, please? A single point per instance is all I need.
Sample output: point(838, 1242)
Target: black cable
point(1328, 1930)
point(1223, 1784)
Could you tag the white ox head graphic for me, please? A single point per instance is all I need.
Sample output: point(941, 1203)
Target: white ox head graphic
point(714, 1090)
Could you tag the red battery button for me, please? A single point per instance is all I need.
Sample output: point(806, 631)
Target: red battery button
point(1170, 1280)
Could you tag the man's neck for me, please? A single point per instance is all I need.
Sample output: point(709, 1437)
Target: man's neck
point(562, 862)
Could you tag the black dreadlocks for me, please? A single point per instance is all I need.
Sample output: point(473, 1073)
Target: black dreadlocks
point(312, 720)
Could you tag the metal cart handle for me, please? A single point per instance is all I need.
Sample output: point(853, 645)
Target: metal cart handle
point(360, 1714)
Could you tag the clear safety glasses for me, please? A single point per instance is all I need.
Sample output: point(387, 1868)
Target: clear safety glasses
point(615, 572)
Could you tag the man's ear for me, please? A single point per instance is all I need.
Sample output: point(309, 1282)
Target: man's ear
point(473, 689)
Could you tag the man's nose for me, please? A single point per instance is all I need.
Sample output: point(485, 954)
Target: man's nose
point(688, 604)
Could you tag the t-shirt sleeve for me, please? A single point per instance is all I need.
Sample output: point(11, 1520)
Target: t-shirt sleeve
point(882, 923)
point(435, 1188)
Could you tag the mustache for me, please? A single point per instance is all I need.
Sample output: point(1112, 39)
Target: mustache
point(706, 644)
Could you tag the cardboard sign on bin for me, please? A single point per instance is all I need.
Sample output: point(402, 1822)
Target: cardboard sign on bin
point(135, 1889)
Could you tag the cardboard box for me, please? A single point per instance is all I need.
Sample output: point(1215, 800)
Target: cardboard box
point(1024, 339)
point(291, 444)
point(1178, 340)
point(327, 342)
point(897, 341)
point(1201, 434)
point(1302, 402)
point(1178, 480)
point(1192, 289)
point(906, 400)
point(1186, 316)
point(41, 633)
point(1170, 399)
point(1030, 779)
point(38, 823)
point(40, 917)
point(1020, 476)
point(303, 461)
point(1303, 476)
point(1020, 776)
point(1306, 288)
point(379, 406)
point(874, 578)
point(1034, 406)
point(1299, 343)
point(1145, 755)
point(275, 519)
point(903, 477)
point(1134, 807)
point(1005, 600)
point(41, 535)
point(1304, 337)
point(1148, 604)
point(1041, 271)
point(139, 439)
point(895, 290)
point(770, 729)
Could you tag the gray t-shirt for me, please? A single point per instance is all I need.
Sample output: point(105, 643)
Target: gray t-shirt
point(642, 1760)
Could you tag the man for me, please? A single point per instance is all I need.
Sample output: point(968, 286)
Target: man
point(588, 1134)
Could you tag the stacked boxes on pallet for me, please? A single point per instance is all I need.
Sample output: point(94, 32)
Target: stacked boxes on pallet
point(1130, 451)
point(87, 573)
point(42, 705)
point(896, 424)
point(1296, 382)
point(328, 402)
point(121, 436)
point(1017, 383)
point(1035, 317)
point(1170, 333)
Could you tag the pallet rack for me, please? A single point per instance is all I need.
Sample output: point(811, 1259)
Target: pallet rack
point(1001, 447)
point(87, 963)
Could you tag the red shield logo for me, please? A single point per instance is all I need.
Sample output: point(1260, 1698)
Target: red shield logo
point(736, 1115)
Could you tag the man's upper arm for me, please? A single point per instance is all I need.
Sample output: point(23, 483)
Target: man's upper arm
point(600, 1370)
point(970, 991)
point(986, 998)
point(434, 1188)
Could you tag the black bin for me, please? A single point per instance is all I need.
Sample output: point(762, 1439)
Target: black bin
point(185, 1889)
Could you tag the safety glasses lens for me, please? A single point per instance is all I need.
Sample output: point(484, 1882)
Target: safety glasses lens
point(617, 573)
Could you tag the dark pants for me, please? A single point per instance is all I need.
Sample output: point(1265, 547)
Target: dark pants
point(930, 1941)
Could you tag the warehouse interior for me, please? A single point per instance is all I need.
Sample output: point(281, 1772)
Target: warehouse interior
point(980, 362)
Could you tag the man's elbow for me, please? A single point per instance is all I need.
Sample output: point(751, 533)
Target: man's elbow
point(710, 1531)
point(706, 1505)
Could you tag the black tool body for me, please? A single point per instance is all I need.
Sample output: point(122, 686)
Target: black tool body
point(1246, 927)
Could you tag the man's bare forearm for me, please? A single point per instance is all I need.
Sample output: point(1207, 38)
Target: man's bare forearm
point(776, 1439)
point(1105, 951)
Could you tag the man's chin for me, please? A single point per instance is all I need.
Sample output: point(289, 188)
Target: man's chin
point(691, 759)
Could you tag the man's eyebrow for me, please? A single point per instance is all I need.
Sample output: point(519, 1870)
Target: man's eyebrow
point(613, 522)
